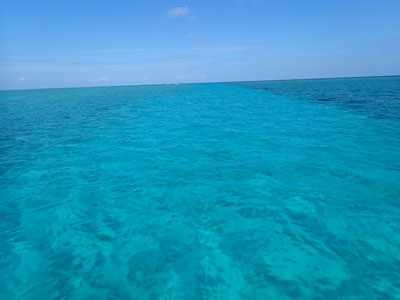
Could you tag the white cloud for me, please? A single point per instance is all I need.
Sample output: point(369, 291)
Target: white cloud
point(104, 78)
point(21, 79)
point(178, 11)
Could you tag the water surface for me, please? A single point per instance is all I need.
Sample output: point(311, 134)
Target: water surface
point(263, 190)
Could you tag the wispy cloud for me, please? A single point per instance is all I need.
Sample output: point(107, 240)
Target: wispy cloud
point(247, 1)
point(21, 79)
point(179, 11)
point(197, 38)
point(38, 65)
point(102, 51)
point(228, 49)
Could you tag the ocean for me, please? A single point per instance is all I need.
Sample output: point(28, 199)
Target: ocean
point(246, 190)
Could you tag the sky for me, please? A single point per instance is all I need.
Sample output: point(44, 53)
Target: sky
point(50, 43)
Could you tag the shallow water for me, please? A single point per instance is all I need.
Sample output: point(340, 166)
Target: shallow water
point(204, 191)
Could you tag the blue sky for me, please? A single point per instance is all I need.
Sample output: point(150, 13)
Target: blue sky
point(90, 43)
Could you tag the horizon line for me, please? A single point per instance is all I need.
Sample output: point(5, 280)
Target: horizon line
point(205, 82)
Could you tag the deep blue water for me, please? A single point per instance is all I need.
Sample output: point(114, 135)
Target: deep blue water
point(263, 190)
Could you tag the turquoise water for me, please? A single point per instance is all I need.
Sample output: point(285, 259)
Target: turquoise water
point(263, 190)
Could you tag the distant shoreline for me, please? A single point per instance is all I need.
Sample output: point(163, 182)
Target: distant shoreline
point(209, 82)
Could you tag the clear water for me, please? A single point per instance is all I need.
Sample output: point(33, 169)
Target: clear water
point(210, 191)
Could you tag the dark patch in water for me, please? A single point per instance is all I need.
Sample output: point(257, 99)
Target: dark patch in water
point(326, 99)
point(354, 101)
